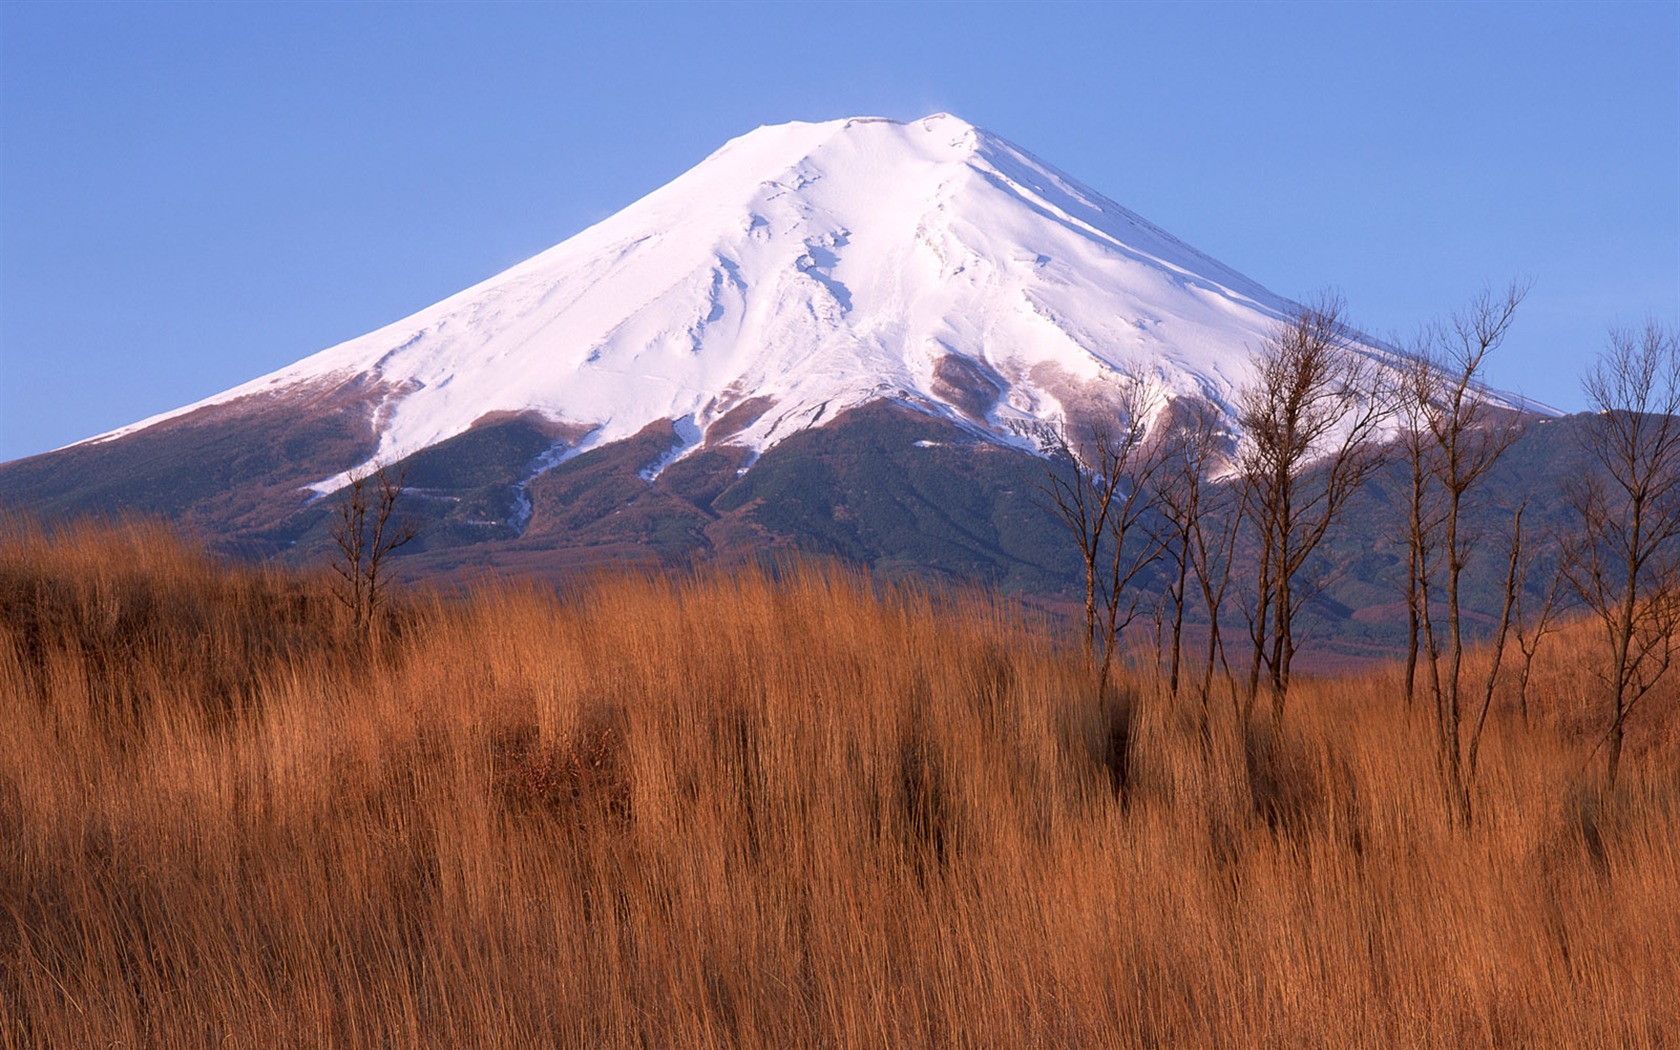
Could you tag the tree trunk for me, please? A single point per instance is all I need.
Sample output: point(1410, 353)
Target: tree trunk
point(1178, 618)
point(1412, 626)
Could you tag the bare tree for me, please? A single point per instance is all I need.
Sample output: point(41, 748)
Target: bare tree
point(1189, 450)
point(1309, 419)
point(1213, 553)
point(1419, 388)
point(1201, 516)
point(1513, 580)
point(1099, 484)
point(1533, 620)
point(1132, 546)
point(1454, 438)
point(1180, 501)
point(365, 531)
point(1626, 568)
point(1081, 498)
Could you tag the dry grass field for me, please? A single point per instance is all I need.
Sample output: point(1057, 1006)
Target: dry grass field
point(731, 810)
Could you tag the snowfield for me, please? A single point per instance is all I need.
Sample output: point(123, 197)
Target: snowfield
point(804, 269)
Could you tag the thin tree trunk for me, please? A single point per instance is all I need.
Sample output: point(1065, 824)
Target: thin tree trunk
point(1511, 583)
point(1412, 624)
point(1178, 615)
point(1455, 656)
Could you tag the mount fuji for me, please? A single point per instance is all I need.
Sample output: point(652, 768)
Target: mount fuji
point(846, 336)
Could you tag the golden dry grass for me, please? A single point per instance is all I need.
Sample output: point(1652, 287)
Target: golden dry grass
point(740, 811)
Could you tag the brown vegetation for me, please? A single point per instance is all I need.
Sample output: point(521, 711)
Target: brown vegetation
point(741, 811)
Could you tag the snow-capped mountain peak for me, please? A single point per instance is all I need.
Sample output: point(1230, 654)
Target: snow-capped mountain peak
point(803, 269)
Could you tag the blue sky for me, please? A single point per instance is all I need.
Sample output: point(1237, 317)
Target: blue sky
point(194, 194)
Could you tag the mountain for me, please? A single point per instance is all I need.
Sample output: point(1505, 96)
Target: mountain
point(847, 336)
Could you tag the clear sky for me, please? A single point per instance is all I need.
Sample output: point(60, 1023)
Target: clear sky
point(194, 194)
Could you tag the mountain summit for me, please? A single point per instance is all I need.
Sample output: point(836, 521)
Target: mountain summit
point(801, 270)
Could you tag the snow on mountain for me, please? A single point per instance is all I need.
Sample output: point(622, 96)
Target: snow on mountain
point(804, 269)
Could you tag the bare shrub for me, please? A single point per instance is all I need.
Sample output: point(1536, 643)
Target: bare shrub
point(366, 531)
point(577, 781)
